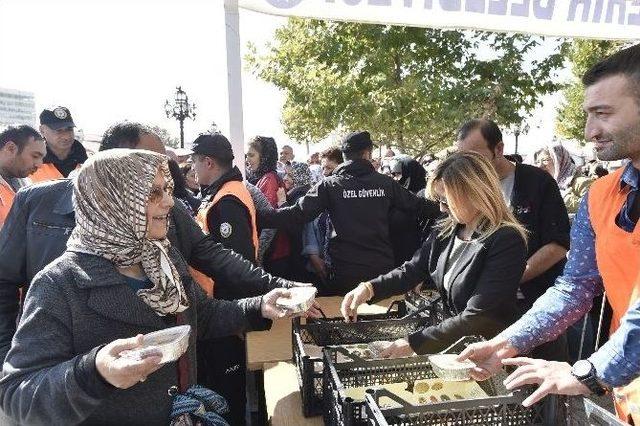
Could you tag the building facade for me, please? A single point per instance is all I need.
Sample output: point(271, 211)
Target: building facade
point(17, 107)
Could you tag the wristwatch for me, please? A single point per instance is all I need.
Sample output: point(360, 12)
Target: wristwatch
point(585, 372)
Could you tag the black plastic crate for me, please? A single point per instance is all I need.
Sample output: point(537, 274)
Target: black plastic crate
point(342, 410)
point(418, 300)
point(393, 324)
point(499, 410)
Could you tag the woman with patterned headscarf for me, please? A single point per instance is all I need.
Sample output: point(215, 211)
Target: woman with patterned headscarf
point(119, 278)
point(556, 160)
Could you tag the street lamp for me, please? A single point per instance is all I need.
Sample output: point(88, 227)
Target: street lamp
point(180, 109)
point(517, 133)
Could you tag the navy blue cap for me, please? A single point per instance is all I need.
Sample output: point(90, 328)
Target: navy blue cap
point(57, 118)
point(214, 145)
point(356, 141)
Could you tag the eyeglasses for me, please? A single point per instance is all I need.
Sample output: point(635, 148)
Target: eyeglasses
point(157, 193)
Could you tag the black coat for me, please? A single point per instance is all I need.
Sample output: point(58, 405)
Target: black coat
point(38, 227)
point(482, 295)
point(359, 201)
point(79, 303)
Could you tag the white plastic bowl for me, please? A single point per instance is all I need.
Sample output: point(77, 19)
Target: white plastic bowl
point(171, 343)
point(300, 299)
point(447, 368)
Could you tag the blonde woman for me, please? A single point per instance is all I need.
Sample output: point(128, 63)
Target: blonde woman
point(475, 258)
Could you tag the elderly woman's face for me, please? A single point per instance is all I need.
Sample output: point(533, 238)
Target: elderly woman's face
point(545, 162)
point(158, 208)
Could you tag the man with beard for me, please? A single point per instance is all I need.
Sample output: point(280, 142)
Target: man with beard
point(604, 255)
point(21, 153)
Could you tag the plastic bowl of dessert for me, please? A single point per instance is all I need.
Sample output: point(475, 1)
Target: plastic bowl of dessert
point(169, 343)
point(447, 367)
point(300, 299)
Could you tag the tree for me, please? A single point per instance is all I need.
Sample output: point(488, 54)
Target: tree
point(166, 137)
point(410, 87)
point(582, 54)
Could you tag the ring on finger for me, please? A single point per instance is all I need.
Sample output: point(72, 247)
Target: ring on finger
point(143, 378)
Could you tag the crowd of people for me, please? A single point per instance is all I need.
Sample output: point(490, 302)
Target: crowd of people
point(97, 250)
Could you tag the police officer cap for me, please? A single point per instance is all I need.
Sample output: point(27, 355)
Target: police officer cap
point(356, 141)
point(57, 118)
point(213, 145)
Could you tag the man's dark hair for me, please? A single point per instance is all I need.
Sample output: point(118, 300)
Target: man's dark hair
point(126, 134)
point(19, 135)
point(625, 62)
point(332, 154)
point(489, 130)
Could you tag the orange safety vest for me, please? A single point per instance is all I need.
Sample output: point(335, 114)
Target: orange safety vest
point(7, 195)
point(45, 173)
point(240, 191)
point(618, 259)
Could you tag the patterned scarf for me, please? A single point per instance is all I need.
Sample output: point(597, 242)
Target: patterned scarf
point(564, 168)
point(300, 174)
point(111, 194)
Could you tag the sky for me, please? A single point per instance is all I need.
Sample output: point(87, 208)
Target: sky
point(109, 60)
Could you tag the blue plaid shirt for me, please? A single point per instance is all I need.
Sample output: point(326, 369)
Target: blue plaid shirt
point(617, 362)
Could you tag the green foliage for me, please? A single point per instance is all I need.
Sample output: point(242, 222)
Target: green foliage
point(583, 54)
point(166, 138)
point(410, 87)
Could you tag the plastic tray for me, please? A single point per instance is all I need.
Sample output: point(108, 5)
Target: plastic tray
point(340, 409)
point(499, 410)
point(391, 325)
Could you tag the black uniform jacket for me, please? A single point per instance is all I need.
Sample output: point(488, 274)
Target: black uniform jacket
point(481, 299)
point(359, 201)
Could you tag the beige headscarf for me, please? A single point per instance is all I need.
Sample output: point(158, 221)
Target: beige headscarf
point(111, 194)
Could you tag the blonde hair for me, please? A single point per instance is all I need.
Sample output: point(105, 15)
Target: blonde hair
point(470, 178)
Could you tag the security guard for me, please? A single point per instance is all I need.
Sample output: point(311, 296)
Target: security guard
point(229, 216)
point(64, 152)
point(359, 201)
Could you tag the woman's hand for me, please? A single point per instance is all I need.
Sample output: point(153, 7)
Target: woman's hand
point(353, 299)
point(398, 349)
point(124, 372)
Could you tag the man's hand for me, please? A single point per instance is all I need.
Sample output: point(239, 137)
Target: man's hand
point(487, 356)
point(353, 299)
point(551, 376)
point(124, 372)
point(398, 349)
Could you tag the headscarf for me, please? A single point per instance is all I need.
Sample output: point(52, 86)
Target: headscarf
point(564, 169)
point(300, 174)
point(268, 158)
point(111, 194)
point(413, 174)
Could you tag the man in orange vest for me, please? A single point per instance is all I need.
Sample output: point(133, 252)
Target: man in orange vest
point(21, 153)
point(64, 153)
point(227, 214)
point(604, 255)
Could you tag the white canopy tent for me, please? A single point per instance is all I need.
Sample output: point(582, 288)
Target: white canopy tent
point(601, 19)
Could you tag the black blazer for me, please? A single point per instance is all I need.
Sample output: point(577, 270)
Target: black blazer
point(482, 295)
